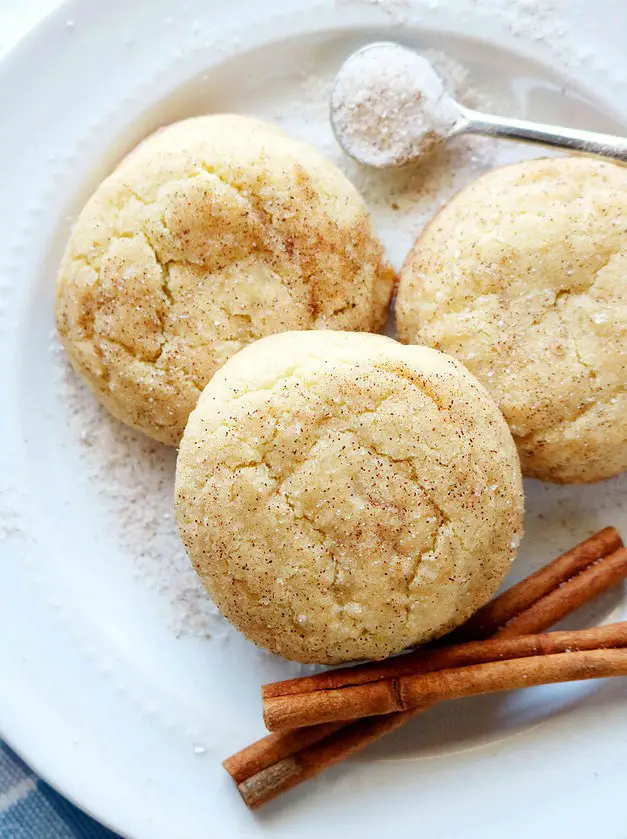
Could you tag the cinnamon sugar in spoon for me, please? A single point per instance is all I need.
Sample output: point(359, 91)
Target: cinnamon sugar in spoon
point(389, 108)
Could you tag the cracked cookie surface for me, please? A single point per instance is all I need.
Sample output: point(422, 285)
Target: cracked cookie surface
point(523, 278)
point(344, 497)
point(214, 232)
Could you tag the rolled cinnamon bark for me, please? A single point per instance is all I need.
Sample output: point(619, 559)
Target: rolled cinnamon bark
point(569, 596)
point(524, 594)
point(525, 661)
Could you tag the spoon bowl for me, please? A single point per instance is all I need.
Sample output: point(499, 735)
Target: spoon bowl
point(389, 107)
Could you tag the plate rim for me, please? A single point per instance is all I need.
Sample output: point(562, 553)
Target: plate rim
point(19, 52)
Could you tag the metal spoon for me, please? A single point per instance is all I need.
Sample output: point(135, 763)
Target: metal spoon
point(461, 120)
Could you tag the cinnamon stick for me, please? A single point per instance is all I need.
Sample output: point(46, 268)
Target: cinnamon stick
point(275, 779)
point(462, 655)
point(524, 594)
point(569, 596)
point(500, 611)
point(496, 676)
point(306, 760)
point(559, 650)
point(274, 748)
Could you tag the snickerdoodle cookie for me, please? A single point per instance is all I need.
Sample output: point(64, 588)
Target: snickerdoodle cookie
point(523, 278)
point(214, 232)
point(343, 496)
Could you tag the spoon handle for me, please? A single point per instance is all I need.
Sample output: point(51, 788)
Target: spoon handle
point(590, 142)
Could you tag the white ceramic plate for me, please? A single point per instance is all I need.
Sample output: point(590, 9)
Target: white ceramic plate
point(125, 714)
